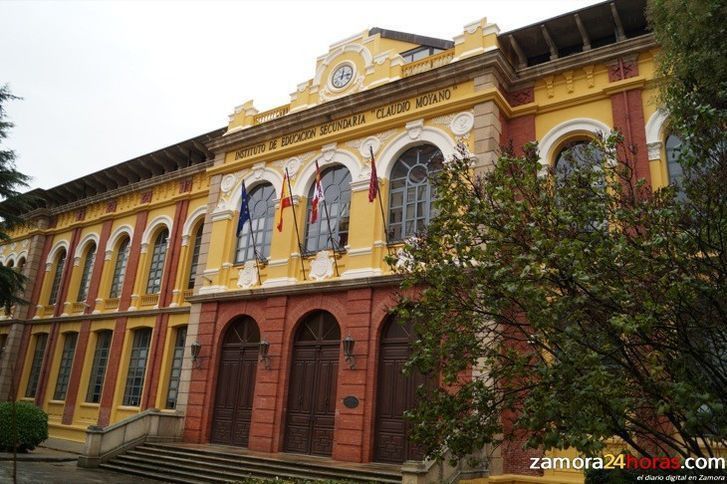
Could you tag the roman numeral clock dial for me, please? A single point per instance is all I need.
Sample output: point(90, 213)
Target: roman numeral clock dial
point(342, 76)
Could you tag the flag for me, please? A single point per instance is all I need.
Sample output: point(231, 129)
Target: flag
point(317, 196)
point(244, 210)
point(286, 200)
point(374, 181)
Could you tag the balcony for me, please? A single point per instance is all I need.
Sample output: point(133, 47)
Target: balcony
point(428, 63)
point(111, 303)
point(149, 300)
point(271, 114)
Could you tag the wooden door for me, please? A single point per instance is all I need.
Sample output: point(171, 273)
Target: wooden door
point(312, 391)
point(236, 383)
point(395, 394)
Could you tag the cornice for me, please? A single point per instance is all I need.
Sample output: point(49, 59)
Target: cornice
point(113, 315)
point(298, 289)
point(594, 56)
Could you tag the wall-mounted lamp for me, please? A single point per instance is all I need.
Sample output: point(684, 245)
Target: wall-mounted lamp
point(348, 343)
point(264, 348)
point(196, 347)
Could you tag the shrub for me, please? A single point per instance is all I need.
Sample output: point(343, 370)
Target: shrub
point(32, 423)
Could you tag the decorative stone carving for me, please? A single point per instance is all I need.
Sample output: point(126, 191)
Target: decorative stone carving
point(568, 80)
point(227, 183)
point(520, 97)
point(589, 75)
point(293, 165)
point(247, 277)
point(322, 266)
point(654, 150)
point(414, 128)
point(549, 85)
point(370, 143)
point(462, 123)
point(328, 151)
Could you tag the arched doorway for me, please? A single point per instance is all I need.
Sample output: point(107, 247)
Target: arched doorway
point(236, 383)
point(312, 392)
point(396, 393)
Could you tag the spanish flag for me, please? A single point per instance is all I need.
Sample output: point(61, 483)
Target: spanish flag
point(286, 200)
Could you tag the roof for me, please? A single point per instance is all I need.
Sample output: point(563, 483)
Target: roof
point(577, 31)
point(412, 38)
point(174, 157)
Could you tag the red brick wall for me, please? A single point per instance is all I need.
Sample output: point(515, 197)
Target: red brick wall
point(360, 314)
point(628, 118)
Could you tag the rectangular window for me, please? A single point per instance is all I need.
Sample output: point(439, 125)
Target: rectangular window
point(174, 375)
point(98, 370)
point(64, 371)
point(137, 367)
point(3, 342)
point(40, 341)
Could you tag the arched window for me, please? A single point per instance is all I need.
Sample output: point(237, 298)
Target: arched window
point(336, 184)
point(57, 276)
point(156, 268)
point(576, 154)
point(122, 257)
point(195, 256)
point(411, 194)
point(21, 264)
point(261, 203)
point(86, 274)
point(10, 265)
point(582, 156)
point(674, 168)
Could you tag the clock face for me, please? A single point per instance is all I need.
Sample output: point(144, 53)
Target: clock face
point(342, 76)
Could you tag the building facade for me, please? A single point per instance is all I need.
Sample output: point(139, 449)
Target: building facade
point(145, 292)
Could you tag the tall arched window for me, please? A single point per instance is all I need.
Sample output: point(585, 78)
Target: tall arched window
point(411, 194)
point(57, 276)
point(195, 256)
point(21, 264)
point(86, 274)
point(674, 168)
point(122, 257)
point(577, 154)
point(336, 184)
point(156, 268)
point(261, 203)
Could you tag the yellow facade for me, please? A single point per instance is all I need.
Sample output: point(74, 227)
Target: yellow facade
point(389, 106)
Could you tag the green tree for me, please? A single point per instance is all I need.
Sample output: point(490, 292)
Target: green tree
point(585, 305)
point(12, 205)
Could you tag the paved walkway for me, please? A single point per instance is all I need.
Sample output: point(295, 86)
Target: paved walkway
point(56, 464)
point(64, 473)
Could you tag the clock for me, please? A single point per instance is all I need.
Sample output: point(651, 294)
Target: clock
point(342, 76)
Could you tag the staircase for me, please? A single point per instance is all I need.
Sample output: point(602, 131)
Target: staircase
point(194, 463)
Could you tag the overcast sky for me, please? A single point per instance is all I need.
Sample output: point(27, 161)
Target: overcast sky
point(103, 82)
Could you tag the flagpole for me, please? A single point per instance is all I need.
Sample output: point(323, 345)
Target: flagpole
point(295, 221)
point(252, 234)
point(330, 232)
point(381, 204)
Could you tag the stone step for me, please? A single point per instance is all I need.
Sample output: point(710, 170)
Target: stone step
point(208, 473)
point(249, 467)
point(325, 470)
point(154, 473)
point(196, 464)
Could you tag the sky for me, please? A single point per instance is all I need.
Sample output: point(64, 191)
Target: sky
point(105, 81)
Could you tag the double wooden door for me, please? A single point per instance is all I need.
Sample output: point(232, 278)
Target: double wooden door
point(396, 393)
point(312, 386)
point(236, 384)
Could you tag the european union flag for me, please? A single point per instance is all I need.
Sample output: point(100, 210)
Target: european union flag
point(244, 210)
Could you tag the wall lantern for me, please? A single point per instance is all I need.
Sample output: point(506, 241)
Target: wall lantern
point(264, 348)
point(348, 343)
point(196, 347)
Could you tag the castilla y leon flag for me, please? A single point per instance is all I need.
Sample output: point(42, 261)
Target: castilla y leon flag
point(286, 200)
point(318, 196)
point(374, 181)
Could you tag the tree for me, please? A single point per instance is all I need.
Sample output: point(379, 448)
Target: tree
point(585, 305)
point(12, 207)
